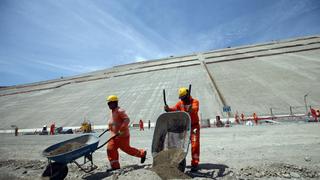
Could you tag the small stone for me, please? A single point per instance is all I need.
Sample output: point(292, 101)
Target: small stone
point(25, 172)
point(286, 175)
point(28, 166)
point(294, 175)
point(258, 175)
point(307, 159)
point(310, 175)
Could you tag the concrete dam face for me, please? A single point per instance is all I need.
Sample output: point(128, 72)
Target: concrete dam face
point(255, 78)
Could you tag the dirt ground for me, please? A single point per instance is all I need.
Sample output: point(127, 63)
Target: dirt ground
point(278, 151)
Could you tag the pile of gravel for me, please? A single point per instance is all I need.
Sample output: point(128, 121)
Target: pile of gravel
point(166, 164)
point(280, 170)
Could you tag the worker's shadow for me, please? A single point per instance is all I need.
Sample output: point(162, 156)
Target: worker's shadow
point(103, 174)
point(208, 170)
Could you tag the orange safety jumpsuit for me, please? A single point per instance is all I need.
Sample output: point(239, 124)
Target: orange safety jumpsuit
point(119, 121)
point(52, 127)
point(195, 127)
point(255, 118)
point(141, 125)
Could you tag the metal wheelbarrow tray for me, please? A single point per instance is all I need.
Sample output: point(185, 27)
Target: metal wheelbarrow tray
point(172, 131)
point(68, 151)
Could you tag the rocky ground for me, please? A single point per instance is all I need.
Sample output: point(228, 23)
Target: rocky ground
point(26, 169)
point(282, 151)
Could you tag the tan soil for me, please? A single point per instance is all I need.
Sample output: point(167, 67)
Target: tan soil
point(66, 148)
point(166, 163)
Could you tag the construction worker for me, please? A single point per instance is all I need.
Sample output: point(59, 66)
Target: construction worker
point(242, 117)
point(255, 118)
point(52, 128)
point(141, 125)
point(118, 125)
point(236, 117)
point(16, 131)
point(190, 105)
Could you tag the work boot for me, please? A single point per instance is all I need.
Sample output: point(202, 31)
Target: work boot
point(143, 158)
point(194, 168)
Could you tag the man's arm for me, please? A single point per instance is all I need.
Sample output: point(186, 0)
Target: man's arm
point(173, 108)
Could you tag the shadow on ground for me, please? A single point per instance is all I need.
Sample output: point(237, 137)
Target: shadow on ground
point(208, 170)
point(104, 174)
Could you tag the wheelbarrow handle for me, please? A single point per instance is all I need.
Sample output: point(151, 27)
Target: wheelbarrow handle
point(104, 132)
point(107, 141)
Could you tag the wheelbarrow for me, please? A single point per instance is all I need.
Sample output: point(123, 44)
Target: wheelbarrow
point(172, 132)
point(60, 154)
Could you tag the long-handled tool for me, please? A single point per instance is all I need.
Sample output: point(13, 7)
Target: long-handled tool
point(189, 92)
point(164, 97)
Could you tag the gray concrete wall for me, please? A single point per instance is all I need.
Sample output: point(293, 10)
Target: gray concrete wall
point(251, 79)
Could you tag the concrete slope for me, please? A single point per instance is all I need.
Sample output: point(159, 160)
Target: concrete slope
point(249, 79)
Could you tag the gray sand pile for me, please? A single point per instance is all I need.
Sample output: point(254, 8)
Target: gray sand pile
point(66, 148)
point(166, 164)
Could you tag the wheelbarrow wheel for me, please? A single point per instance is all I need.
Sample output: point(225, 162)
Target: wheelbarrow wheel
point(56, 171)
point(182, 165)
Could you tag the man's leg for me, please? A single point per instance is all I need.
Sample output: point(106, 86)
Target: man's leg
point(113, 155)
point(195, 145)
point(125, 147)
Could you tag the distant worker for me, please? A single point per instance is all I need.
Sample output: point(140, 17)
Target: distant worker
point(190, 105)
point(219, 123)
point(149, 124)
point(242, 117)
point(118, 125)
point(236, 117)
point(255, 118)
point(314, 114)
point(16, 129)
point(52, 128)
point(141, 125)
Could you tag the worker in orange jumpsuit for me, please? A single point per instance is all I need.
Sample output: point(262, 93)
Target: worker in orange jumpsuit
point(314, 114)
point(141, 125)
point(242, 117)
point(236, 117)
point(255, 118)
point(52, 127)
point(118, 125)
point(190, 105)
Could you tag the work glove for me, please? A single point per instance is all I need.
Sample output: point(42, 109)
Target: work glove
point(190, 109)
point(195, 131)
point(166, 108)
point(120, 133)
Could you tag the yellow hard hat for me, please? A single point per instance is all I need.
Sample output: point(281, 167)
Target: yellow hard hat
point(183, 91)
point(112, 98)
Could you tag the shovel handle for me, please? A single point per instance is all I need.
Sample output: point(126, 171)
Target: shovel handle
point(164, 97)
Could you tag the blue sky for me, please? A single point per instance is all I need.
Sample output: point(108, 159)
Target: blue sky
point(46, 39)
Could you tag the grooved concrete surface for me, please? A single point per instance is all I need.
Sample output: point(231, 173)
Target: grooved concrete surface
point(251, 79)
point(278, 82)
